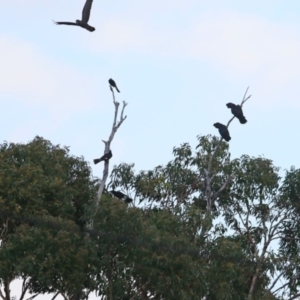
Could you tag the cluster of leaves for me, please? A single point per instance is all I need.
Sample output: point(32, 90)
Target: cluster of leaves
point(181, 180)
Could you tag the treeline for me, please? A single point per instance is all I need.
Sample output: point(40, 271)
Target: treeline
point(172, 246)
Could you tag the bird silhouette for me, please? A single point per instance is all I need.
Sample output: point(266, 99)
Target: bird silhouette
point(113, 84)
point(121, 196)
point(105, 157)
point(84, 19)
point(237, 112)
point(223, 131)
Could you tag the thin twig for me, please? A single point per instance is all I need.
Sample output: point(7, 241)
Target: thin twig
point(32, 297)
point(275, 281)
point(223, 187)
point(280, 288)
point(55, 296)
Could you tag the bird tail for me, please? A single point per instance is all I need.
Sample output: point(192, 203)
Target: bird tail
point(97, 160)
point(90, 28)
point(227, 138)
point(243, 120)
point(117, 89)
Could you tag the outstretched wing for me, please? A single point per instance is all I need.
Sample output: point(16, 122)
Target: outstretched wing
point(86, 11)
point(65, 23)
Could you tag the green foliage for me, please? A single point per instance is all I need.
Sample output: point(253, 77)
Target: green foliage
point(181, 181)
point(157, 251)
point(144, 251)
point(42, 190)
point(255, 210)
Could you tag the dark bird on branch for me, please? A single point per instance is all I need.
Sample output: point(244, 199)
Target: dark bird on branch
point(84, 19)
point(237, 112)
point(105, 157)
point(223, 131)
point(121, 196)
point(113, 84)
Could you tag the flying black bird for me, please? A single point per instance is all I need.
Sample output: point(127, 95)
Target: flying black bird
point(223, 131)
point(122, 196)
point(84, 19)
point(105, 157)
point(113, 84)
point(237, 112)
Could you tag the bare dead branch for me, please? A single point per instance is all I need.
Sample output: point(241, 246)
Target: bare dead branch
point(230, 121)
point(245, 99)
point(115, 127)
point(242, 103)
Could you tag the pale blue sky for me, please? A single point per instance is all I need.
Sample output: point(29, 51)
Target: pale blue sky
point(177, 64)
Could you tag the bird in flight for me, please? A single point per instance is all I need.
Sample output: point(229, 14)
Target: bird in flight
point(105, 157)
point(121, 196)
point(113, 84)
point(223, 131)
point(237, 112)
point(84, 19)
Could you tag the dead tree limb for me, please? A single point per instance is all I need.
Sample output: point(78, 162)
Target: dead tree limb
point(115, 127)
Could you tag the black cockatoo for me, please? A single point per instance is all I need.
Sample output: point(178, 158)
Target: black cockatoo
point(121, 196)
point(105, 157)
point(113, 84)
point(223, 131)
point(84, 19)
point(237, 112)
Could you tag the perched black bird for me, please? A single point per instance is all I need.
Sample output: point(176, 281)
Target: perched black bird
point(105, 157)
point(121, 196)
point(237, 112)
point(223, 131)
point(113, 84)
point(84, 19)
